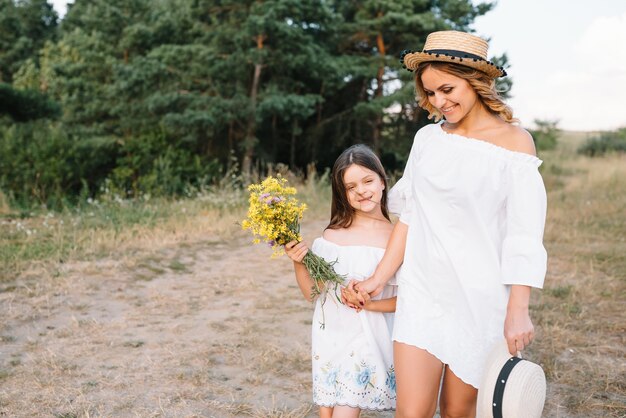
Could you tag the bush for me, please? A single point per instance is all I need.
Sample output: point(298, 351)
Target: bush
point(151, 165)
point(545, 135)
point(607, 142)
point(42, 164)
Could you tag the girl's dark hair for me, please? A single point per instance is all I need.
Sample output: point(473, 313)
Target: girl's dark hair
point(341, 213)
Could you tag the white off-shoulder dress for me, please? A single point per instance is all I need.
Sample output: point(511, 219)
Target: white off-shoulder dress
point(352, 352)
point(475, 214)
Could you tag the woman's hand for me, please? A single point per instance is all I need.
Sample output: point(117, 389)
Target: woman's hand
point(296, 250)
point(368, 288)
point(518, 328)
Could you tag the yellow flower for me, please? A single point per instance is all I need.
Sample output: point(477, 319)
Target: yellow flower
point(274, 217)
point(274, 213)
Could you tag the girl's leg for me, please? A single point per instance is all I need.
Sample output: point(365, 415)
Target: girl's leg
point(341, 411)
point(326, 412)
point(418, 374)
point(458, 399)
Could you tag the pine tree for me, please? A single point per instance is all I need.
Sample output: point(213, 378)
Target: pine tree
point(25, 26)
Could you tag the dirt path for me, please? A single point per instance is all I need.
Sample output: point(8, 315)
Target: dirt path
point(207, 329)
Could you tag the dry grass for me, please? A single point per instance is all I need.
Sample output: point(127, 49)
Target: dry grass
point(166, 310)
point(580, 314)
point(117, 227)
point(156, 319)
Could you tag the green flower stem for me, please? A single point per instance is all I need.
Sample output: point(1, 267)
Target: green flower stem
point(324, 277)
point(322, 273)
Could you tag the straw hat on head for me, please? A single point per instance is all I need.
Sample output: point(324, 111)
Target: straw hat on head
point(454, 47)
point(511, 387)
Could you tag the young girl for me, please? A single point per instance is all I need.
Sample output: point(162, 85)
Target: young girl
point(469, 240)
point(352, 353)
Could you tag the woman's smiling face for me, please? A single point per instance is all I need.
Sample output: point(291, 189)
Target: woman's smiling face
point(451, 95)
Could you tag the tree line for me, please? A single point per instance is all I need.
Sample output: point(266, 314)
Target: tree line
point(155, 96)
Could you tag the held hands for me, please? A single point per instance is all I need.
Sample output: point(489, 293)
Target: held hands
point(368, 288)
point(296, 250)
point(350, 297)
point(357, 294)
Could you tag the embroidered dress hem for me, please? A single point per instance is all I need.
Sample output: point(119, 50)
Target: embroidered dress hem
point(362, 408)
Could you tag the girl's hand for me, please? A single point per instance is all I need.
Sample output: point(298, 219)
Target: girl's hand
point(349, 299)
point(518, 329)
point(296, 250)
point(368, 288)
point(349, 296)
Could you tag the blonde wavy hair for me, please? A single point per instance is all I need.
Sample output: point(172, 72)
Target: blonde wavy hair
point(483, 85)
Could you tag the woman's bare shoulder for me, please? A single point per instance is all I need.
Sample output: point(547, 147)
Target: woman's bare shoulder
point(518, 139)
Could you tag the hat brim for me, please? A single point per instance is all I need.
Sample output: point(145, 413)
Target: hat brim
point(414, 59)
point(524, 395)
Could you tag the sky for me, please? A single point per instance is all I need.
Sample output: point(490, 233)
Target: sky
point(567, 59)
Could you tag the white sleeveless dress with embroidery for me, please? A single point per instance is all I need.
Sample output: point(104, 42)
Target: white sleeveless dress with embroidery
point(352, 352)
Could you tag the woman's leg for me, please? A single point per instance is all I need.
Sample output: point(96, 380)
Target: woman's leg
point(458, 399)
point(341, 411)
point(418, 374)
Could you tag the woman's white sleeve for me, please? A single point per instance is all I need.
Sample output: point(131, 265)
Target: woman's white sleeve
point(524, 258)
point(400, 196)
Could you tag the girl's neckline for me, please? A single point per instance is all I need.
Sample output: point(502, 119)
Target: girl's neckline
point(491, 146)
point(351, 246)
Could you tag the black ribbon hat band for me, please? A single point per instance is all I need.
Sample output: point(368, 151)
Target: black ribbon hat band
point(454, 53)
point(498, 393)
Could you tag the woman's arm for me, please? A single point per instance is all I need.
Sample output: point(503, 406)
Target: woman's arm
point(523, 258)
point(518, 328)
point(296, 251)
point(391, 261)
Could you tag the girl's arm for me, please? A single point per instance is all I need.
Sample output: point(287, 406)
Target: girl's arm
point(296, 251)
point(382, 305)
point(350, 297)
point(394, 255)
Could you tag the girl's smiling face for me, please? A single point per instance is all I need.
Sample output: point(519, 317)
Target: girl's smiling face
point(451, 95)
point(364, 188)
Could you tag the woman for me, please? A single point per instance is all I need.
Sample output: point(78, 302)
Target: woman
point(468, 245)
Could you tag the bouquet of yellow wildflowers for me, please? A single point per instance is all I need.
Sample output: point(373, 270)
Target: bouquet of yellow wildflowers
point(274, 216)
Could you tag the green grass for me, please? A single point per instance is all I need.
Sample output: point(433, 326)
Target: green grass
point(99, 229)
point(107, 226)
point(177, 266)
